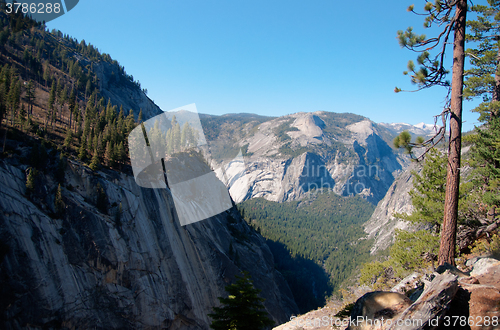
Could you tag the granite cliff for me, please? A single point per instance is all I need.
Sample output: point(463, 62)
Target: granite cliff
point(116, 256)
point(382, 224)
point(290, 156)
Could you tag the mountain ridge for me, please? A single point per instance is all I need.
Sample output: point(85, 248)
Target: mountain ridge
point(351, 152)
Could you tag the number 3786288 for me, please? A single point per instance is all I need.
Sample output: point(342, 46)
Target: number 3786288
point(33, 8)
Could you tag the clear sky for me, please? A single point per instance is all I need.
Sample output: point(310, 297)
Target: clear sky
point(272, 57)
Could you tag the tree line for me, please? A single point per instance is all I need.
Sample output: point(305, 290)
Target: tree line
point(315, 242)
point(48, 88)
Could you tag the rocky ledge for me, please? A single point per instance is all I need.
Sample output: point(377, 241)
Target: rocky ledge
point(447, 298)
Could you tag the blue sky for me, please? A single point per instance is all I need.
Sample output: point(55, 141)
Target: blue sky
point(267, 57)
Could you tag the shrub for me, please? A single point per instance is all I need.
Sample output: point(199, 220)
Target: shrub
point(489, 247)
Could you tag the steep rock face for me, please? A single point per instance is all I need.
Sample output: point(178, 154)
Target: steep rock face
point(382, 223)
point(139, 269)
point(291, 156)
point(124, 92)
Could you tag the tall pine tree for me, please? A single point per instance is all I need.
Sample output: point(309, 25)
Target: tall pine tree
point(452, 15)
point(483, 80)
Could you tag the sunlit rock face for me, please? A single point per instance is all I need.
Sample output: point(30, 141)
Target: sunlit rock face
point(383, 224)
point(289, 157)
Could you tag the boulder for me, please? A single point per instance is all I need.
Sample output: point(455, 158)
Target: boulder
point(390, 310)
point(431, 305)
point(484, 293)
point(373, 308)
point(481, 265)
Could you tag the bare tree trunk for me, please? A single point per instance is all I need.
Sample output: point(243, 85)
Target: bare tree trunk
point(449, 228)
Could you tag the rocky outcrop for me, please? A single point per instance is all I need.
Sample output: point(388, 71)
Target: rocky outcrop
point(453, 299)
point(432, 304)
point(120, 90)
point(374, 307)
point(119, 259)
point(445, 299)
point(382, 223)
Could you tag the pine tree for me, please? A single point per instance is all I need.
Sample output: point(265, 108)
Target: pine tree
point(428, 193)
point(82, 152)
point(483, 78)
point(71, 106)
point(58, 201)
point(109, 154)
point(169, 142)
point(176, 137)
point(242, 309)
point(95, 141)
point(452, 15)
point(139, 118)
point(485, 158)
point(14, 98)
point(50, 104)
point(31, 180)
point(194, 137)
point(130, 121)
point(100, 146)
point(30, 95)
point(185, 135)
point(110, 112)
point(94, 163)
point(120, 152)
point(69, 138)
point(88, 88)
point(46, 72)
point(63, 98)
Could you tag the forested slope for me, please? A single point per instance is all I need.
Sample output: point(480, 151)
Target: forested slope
point(317, 242)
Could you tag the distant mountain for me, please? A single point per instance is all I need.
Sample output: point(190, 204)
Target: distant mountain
point(315, 238)
point(288, 157)
point(421, 129)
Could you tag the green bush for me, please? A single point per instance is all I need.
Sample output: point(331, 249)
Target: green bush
point(406, 255)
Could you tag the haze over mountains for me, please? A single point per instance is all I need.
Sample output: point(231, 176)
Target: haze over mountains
point(420, 129)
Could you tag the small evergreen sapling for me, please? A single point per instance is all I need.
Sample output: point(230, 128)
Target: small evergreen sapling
point(242, 309)
point(58, 201)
